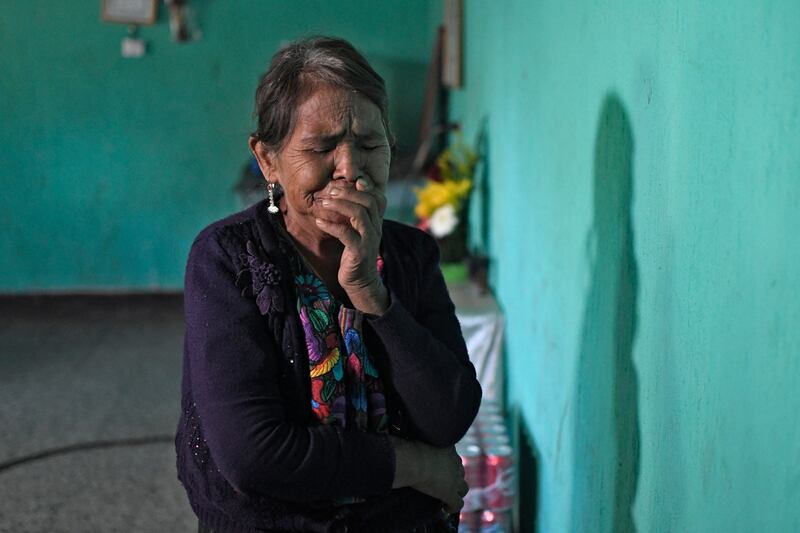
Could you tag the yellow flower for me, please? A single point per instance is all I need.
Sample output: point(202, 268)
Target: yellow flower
point(435, 194)
point(456, 165)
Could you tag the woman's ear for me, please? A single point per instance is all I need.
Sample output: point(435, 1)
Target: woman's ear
point(266, 160)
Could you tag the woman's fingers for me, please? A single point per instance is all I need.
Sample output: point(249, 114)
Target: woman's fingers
point(354, 217)
point(458, 483)
point(454, 505)
point(346, 234)
point(444, 476)
point(365, 195)
point(358, 215)
point(364, 185)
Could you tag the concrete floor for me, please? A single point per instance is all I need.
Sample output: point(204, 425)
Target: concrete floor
point(99, 376)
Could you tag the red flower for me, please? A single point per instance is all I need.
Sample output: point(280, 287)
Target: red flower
point(321, 409)
point(316, 389)
point(434, 173)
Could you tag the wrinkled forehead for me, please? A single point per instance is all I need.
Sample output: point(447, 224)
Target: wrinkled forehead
point(331, 109)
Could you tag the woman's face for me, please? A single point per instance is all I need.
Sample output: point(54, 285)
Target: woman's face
point(338, 137)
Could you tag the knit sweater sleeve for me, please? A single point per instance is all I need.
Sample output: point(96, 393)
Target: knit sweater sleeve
point(427, 356)
point(234, 366)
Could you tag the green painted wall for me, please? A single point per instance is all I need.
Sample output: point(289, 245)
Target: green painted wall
point(110, 166)
point(644, 162)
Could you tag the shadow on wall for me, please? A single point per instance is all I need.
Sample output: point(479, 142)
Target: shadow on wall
point(528, 475)
point(481, 200)
point(606, 433)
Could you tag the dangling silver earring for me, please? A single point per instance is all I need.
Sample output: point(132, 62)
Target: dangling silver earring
point(273, 209)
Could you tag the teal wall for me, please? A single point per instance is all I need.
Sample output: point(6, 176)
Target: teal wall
point(110, 166)
point(644, 167)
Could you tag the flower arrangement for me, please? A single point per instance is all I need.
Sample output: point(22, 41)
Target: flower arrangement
point(442, 203)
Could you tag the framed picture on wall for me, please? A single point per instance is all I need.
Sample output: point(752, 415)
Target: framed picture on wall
point(139, 12)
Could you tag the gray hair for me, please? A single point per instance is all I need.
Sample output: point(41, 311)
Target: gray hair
point(296, 70)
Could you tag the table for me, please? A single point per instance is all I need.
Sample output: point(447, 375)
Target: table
point(482, 326)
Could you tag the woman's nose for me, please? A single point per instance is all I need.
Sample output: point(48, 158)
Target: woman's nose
point(348, 163)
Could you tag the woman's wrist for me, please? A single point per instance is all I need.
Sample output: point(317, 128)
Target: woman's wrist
point(373, 300)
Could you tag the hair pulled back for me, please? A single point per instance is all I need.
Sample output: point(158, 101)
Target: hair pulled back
point(296, 70)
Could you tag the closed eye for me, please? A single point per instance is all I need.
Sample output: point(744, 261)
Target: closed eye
point(323, 150)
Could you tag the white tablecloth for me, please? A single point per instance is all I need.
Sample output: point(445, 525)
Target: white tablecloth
point(482, 326)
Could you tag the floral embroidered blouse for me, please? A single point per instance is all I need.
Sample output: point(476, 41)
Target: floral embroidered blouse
point(346, 389)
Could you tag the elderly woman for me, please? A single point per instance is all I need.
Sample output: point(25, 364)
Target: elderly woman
point(325, 376)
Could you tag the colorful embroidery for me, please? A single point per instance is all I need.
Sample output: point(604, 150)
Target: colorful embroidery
point(346, 389)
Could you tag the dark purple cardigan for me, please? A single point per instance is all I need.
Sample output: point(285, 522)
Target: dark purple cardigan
point(251, 455)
